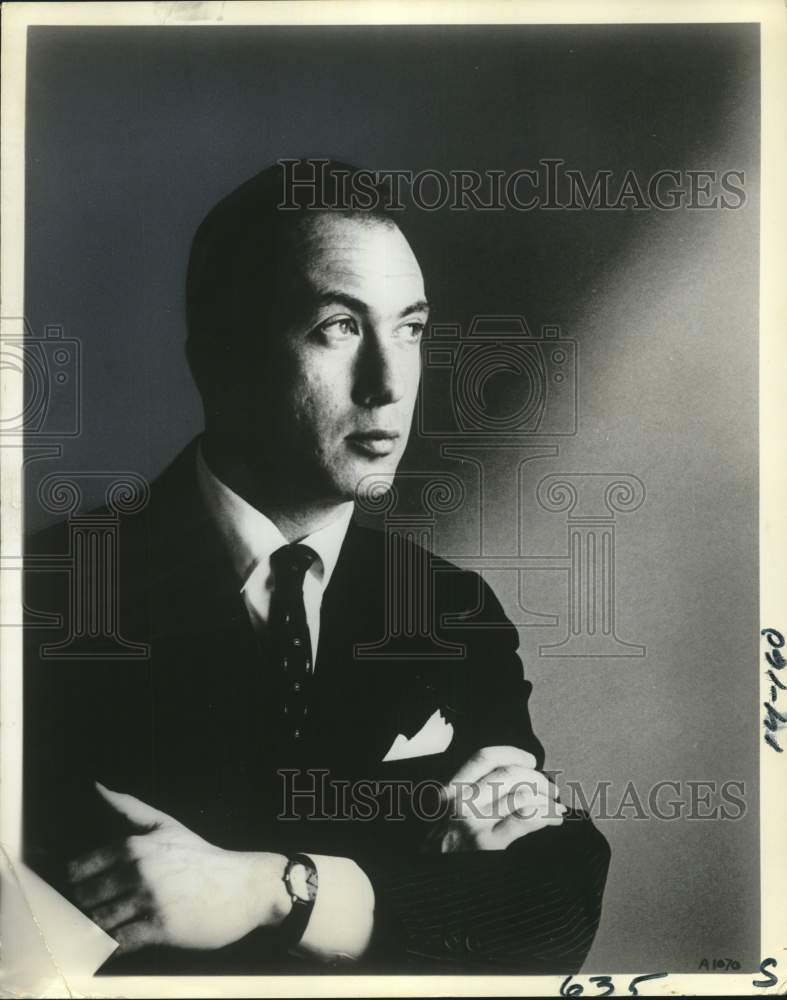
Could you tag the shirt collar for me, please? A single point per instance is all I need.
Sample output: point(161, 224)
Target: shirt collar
point(252, 538)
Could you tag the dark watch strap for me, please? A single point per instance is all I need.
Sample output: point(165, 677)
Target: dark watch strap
point(294, 924)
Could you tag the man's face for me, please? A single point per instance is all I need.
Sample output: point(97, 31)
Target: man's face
point(344, 366)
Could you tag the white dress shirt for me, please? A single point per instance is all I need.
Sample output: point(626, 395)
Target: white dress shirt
point(252, 538)
point(340, 925)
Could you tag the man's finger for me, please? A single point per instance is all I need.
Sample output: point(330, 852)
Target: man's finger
point(121, 911)
point(486, 760)
point(135, 810)
point(530, 806)
point(523, 801)
point(95, 862)
point(525, 804)
point(502, 782)
point(507, 830)
point(131, 937)
point(104, 888)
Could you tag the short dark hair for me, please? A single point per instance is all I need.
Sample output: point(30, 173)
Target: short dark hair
point(237, 255)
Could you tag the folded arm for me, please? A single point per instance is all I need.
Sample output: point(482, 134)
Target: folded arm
point(520, 893)
point(508, 883)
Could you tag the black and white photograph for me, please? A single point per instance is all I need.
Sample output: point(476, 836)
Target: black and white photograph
point(393, 566)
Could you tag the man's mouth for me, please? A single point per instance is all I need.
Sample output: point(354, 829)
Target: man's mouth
point(373, 442)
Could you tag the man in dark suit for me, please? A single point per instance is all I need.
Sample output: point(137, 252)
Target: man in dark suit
point(257, 795)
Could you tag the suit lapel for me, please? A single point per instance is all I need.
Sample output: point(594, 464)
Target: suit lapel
point(360, 704)
point(371, 699)
point(192, 574)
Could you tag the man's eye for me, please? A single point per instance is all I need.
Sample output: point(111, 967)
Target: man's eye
point(338, 329)
point(411, 331)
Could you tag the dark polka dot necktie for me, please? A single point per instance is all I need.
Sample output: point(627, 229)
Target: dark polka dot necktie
point(289, 635)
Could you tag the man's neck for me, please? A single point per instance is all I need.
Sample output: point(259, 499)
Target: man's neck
point(296, 516)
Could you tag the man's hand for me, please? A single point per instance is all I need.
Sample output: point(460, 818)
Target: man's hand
point(165, 885)
point(494, 799)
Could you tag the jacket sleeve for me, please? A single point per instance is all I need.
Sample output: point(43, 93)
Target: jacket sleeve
point(533, 908)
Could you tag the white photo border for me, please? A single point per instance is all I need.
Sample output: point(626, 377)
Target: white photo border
point(39, 963)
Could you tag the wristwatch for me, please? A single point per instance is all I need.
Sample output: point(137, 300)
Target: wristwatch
point(300, 881)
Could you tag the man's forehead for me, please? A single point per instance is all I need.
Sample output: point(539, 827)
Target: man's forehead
point(354, 249)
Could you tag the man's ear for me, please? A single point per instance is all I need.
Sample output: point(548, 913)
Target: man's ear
point(202, 350)
point(207, 356)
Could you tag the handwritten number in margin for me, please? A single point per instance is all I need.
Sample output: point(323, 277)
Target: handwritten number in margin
point(643, 979)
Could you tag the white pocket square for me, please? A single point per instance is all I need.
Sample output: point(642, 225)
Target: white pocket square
point(433, 737)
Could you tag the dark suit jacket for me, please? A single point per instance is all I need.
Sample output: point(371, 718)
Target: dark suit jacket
point(195, 729)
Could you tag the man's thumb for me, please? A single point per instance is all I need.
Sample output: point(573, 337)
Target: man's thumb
point(135, 810)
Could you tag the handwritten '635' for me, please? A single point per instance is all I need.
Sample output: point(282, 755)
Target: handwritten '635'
point(605, 984)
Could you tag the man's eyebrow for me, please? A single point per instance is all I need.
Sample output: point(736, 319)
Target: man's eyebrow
point(351, 302)
point(330, 297)
point(420, 306)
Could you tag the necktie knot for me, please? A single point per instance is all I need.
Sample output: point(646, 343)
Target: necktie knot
point(291, 563)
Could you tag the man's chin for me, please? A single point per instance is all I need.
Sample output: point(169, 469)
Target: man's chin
point(371, 480)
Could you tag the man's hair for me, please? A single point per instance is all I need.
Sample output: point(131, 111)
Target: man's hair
point(239, 255)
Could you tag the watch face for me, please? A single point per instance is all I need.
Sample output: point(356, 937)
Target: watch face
point(303, 882)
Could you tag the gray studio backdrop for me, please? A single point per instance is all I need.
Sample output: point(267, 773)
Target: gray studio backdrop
point(134, 133)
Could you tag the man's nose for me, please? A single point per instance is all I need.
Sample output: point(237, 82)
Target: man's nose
point(379, 375)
